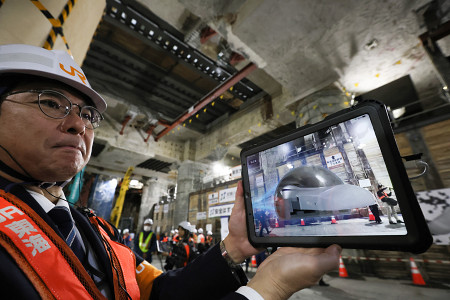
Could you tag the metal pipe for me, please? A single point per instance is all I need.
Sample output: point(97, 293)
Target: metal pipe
point(210, 97)
point(124, 123)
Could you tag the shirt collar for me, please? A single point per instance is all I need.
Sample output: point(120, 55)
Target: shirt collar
point(46, 204)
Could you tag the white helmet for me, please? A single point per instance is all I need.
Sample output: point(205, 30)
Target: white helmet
point(193, 230)
point(172, 232)
point(176, 230)
point(200, 230)
point(52, 64)
point(185, 225)
point(148, 221)
point(209, 233)
point(126, 230)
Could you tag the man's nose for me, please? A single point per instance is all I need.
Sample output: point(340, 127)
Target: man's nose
point(73, 123)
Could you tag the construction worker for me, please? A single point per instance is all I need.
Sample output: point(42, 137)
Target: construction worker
point(127, 238)
point(209, 239)
point(183, 251)
point(145, 243)
point(175, 236)
point(193, 236)
point(172, 234)
point(200, 241)
point(49, 249)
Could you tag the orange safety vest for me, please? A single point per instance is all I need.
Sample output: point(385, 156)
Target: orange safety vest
point(202, 239)
point(51, 265)
point(186, 247)
point(383, 196)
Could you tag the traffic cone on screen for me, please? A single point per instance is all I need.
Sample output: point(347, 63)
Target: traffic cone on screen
point(416, 276)
point(276, 223)
point(254, 261)
point(302, 222)
point(333, 220)
point(342, 269)
point(371, 216)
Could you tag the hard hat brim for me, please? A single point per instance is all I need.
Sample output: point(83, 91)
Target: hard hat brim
point(51, 64)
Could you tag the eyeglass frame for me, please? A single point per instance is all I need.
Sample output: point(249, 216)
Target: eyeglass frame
point(40, 92)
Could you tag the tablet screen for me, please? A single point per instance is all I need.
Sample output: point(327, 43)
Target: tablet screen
point(333, 182)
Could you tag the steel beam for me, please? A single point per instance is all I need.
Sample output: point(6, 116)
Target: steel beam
point(219, 90)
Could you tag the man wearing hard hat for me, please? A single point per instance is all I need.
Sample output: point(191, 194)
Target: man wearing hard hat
point(145, 242)
point(50, 250)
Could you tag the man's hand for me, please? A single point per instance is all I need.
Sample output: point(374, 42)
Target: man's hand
point(236, 243)
point(291, 269)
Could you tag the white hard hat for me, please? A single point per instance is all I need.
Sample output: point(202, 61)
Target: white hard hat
point(185, 225)
point(193, 230)
point(176, 230)
point(209, 233)
point(172, 231)
point(52, 64)
point(148, 221)
point(200, 230)
point(126, 230)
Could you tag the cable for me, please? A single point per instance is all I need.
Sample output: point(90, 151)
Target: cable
point(17, 163)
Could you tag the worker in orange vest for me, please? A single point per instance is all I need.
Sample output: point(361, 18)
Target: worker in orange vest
point(201, 241)
point(182, 251)
point(209, 239)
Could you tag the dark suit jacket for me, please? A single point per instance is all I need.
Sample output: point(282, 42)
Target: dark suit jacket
point(209, 270)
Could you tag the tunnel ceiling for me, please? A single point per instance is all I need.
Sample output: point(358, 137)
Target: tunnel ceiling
point(137, 57)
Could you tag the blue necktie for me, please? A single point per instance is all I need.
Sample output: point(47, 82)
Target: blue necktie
point(62, 218)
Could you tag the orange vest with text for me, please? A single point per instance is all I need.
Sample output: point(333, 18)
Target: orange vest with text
point(52, 267)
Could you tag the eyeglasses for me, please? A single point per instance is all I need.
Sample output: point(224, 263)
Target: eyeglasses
point(57, 106)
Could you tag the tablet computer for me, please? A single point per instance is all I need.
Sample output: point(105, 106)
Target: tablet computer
point(341, 180)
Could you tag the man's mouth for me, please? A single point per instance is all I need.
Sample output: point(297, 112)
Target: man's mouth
point(71, 146)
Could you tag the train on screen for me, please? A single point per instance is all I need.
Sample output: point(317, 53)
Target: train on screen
point(311, 191)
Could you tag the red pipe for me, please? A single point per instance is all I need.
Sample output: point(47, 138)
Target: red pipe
point(124, 123)
point(210, 97)
point(149, 132)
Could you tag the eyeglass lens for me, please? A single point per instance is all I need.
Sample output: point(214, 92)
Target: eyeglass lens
point(56, 105)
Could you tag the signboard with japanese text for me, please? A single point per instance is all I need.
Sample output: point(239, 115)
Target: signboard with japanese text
point(334, 160)
point(220, 210)
point(213, 198)
point(201, 215)
point(227, 195)
point(235, 172)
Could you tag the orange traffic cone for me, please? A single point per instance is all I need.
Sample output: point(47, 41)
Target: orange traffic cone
point(254, 261)
point(416, 276)
point(342, 269)
point(302, 222)
point(276, 223)
point(333, 220)
point(371, 216)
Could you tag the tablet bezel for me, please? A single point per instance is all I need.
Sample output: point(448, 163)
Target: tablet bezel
point(418, 238)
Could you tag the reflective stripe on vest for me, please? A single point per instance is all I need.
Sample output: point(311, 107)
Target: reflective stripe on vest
point(143, 246)
point(43, 262)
